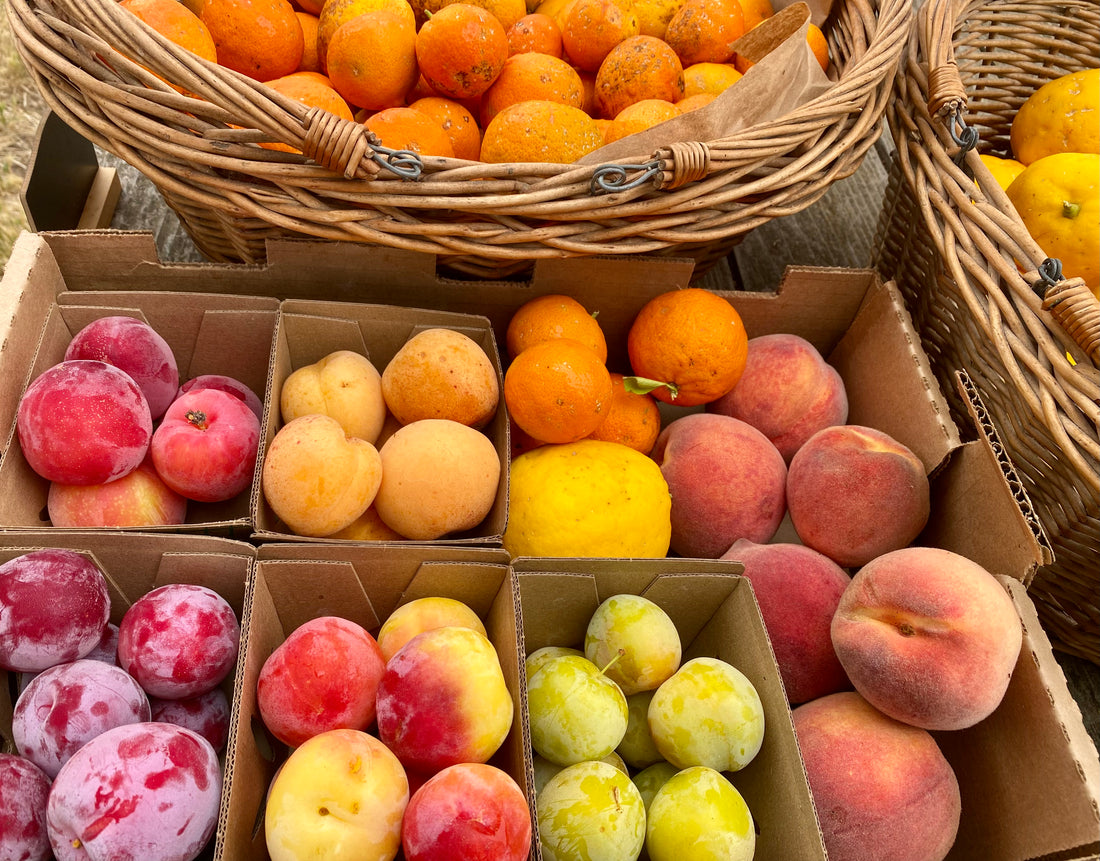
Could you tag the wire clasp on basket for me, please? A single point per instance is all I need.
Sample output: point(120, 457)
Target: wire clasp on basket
point(1071, 303)
point(672, 166)
point(966, 137)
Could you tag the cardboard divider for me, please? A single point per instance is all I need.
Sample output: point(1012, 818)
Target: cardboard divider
point(207, 333)
point(716, 615)
point(294, 582)
point(309, 330)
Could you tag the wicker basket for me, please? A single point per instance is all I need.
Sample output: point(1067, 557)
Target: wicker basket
point(692, 198)
point(950, 238)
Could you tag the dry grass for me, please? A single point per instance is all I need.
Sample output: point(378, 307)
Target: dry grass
point(21, 109)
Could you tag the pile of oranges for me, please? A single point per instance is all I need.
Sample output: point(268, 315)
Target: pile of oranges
point(480, 80)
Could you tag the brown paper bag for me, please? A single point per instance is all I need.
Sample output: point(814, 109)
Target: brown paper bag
point(784, 76)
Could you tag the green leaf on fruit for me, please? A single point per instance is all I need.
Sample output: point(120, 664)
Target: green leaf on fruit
point(643, 386)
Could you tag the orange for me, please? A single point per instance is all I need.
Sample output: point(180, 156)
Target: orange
point(539, 131)
point(371, 59)
point(406, 129)
point(309, 88)
point(756, 11)
point(691, 103)
point(640, 116)
point(703, 31)
point(336, 12)
point(258, 38)
point(177, 23)
point(641, 67)
point(507, 12)
point(558, 390)
point(553, 315)
point(591, 28)
point(687, 346)
point(556, 9)
point(532, 76)
point(457, 122)
point(311, 59)
point(654, 15)
point(604, 126)
point(709, 78)
point(818, 45)
point(535, 32)
point(461, 50)
point(588, 81)
point(632, 419)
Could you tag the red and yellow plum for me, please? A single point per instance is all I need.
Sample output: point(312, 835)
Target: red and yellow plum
point(139, 498)
point(423, 614)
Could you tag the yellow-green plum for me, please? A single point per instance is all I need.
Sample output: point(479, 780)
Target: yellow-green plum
point(577, 713)
point(590, 810)
point(541, 655)
point(708, 713)
point(340, 796)
point(545, 769)
point(443, 699)
point(636, 642)
point(698, 815)
point(637, 748)
point(424, 614)
point(653, 777)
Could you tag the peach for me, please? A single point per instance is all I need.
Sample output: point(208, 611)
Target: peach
point(316, 478)
point(83, 422)
point(424, 614)
point(441, 374)
point(207, 714)
point(797, 590)
point(340, 796)
point(231, 385)
point(469, 810)
point(855, 492)
point(139, 498)
point(324, 676)
point(882, 788)
point(179, 640)
point(727, 482)
point(439, 477)
point(68, 705)
point(143, 790)
point(24, 790)
point(787, 391)
point(206, 445)
point(928, 637)
point(443, 700)
point(133, 346)
point(343, 385)
point(54, 605)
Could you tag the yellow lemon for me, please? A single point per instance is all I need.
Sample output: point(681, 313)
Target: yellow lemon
point(1063, 115)
point(588, 499)
point(1058, 199)
point(1004, 170)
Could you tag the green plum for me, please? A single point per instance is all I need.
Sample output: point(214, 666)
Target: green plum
point(637, 642)
point(653, 777)
point(590, 811)
point(540, 656)
point(707, 713)
point(576, 712)
point(545, 769)
point(637, 747)
point(698, 815)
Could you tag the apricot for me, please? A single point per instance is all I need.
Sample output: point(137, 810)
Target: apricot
point(797, 590)
point(882, 788)
point(727, 482)
point(424, 614)
point(316, 478)
point(787, 391)
point(438, 477)
point(854, 493)
point(441, 374)
point(343, 385)
point(928, 637)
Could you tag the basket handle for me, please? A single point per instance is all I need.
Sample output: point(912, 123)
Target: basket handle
point(672, 166)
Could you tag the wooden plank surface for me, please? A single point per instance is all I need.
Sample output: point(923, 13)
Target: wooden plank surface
point(837, 230)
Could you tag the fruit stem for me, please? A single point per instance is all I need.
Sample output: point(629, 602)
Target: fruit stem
point(197, 418)
point(613, 661)
point(1070, 210)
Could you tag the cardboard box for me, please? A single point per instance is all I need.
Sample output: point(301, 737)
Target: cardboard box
point(295, 582)
point(134, 564)
point(311, 329)
point(209, 333)
point(716, 615)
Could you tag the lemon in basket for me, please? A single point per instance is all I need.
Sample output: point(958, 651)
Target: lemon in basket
point(590, 499)
point(1058, 199)
point(1063, 115)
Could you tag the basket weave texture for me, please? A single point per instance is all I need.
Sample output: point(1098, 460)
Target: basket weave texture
point(969, 271)
point(94, 64)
